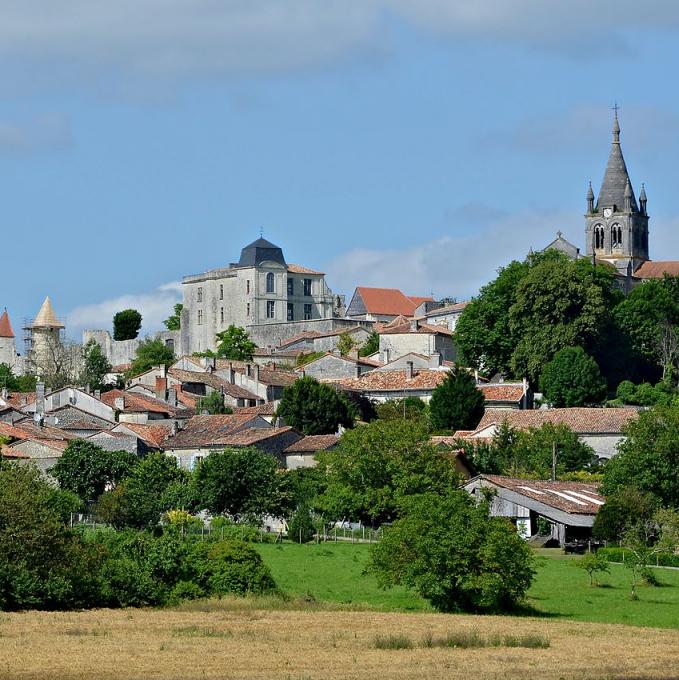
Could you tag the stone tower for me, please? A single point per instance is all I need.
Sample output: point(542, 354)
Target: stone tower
point(8, 352)
point(616, 228)
point(46, 337)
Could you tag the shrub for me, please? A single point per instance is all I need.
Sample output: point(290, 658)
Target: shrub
point(399, 641)
point(301, 525)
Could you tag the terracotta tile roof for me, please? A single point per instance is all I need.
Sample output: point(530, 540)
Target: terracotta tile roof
point(152, 434)
point(657, 269)
point(267, 409)
point(140, 403)
point(572, 497)
point(342, 357)
point(13, 454)
point(44, 432)
point(394, 381)
point(423, 328)
point(313, 443)
point(254, 435)
point(267, 376)
point(389, 301)
point(13, 432)
point(19, 399)
point(5, 326)
point(580, 420)
point(298, 269)
point(502, 392)
point(448, 309)
point(209, 430)
point(213, 381)
point(304, 335)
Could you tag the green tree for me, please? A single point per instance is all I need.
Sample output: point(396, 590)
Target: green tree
point(410, 408)
point(456, 404)
point(560, 303)
point(234, 343)
point(593, 563)
point(372, 345)
point(22, 383)
point(650, 317)
point(126, 324)
point(213, 403)
point(315, 408)
point(377, 466)
point(87, 470)
point(151, 353)
point(174, 321)
point(155, 485)
point(345, 343)
point(301, 525)
point(453, 554)
point(572, 378)
point(239, 483)
point(623, 508)
point(648, 457)
point(96, 366)
point(483, 334)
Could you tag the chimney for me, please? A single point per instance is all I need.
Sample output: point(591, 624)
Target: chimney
point(357, 370)
point(302, 373)
point(413, 324)
point(435, 360)
point(273, 365)
point(248, 370)
point(174, 429)
point(97, 394)
point(161, 388)
point(353, 353)
point(162, 370)
point(4, 393)
point(210, 364)
point(409, 370)
point(40, 398)
point(119, 403)
point(257, 373)
point(385, 356)
point(232, 374)
point(172, 396)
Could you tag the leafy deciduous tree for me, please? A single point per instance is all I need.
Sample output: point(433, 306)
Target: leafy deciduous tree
point(151, 353)
point(234, 343)
point(572, 378)
point(96, 366)
point(456, 404)
point(126, 324)
point(174, 321)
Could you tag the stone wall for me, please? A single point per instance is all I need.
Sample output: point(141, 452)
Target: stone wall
point(265, 335)
point(118, 352)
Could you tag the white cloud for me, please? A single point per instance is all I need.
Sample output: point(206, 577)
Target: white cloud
point(177, 38)
point(46, 132)
point(451, 266)
point(154, 307)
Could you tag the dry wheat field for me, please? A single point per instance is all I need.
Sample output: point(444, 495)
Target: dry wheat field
point(230, 640)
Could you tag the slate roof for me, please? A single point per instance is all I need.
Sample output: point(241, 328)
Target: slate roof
point(389, 301)
point(313, 443)
point(580, 420)
point(656, 269)
point(571, 497)
point(260, 251)
point(210, 430)
point(5, 326)
point(394, 381)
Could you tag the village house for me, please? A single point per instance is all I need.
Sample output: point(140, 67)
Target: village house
point(139, 408)
point(333, 366)
point(569, 507)
point(600, 428)
point(302, 453)
point(383, 304)
point(416, 337)
point(447, 315)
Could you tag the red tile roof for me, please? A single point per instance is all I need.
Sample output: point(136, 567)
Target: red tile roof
point(313, 443)
point(572, 497)
point(140, 403)
point(298, 269)
point(580, 420)
point(19, 399)
point(267, 409)
point(254, 435)
point(502, 392)
point(210, 430)
point(389, 301)
point(5, 326)
point(657, 269)
point(394, 381)
point(213, 381)
point(152, 434)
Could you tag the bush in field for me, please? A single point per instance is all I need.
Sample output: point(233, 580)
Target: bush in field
point(301, 525)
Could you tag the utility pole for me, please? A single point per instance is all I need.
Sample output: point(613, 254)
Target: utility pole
point(554, 461)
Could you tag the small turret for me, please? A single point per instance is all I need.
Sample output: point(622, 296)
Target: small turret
point(643, 200)
point(628, 196)
point(590, 199)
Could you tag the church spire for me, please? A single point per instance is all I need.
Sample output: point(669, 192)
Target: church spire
point(643, 200)
point(616, 177)
point(590, 198)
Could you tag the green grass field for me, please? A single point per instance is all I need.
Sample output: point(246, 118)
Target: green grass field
point(335, 573)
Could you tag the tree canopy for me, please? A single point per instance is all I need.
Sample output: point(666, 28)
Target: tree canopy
point(126, 324)
point(315, 408)
point(21, 383)
point(234, 343)
point(174, 321)
point(456, 404)
point(151, 353)
point(572, 378)
point(96, 366)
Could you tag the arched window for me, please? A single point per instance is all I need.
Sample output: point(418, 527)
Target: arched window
point(269, 283)
point(616, 236)
point(598, 237)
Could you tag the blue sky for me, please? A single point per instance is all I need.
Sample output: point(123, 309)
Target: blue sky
point(419, 145)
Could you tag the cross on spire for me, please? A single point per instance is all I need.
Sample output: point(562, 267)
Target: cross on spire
point(615, 108)
point(261, 232)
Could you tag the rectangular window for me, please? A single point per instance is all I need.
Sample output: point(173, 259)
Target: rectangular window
point(199, 294)
point(307, 286)
point(270, 309)
point(291, 312)
point(247, 286)
point(221, 291)
point(291, 286)
point(270, 283)
point(307, 312)
point(221, 314)
point(200, 317)
point(247, 310)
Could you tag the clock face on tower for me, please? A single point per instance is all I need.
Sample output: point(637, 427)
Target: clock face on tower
point(608, 212)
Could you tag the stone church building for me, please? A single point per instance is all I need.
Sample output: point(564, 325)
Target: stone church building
point(616, 225)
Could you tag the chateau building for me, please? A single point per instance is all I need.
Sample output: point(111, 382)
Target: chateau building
point(260, 289)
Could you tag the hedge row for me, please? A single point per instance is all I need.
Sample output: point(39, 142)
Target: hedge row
point(660, 559)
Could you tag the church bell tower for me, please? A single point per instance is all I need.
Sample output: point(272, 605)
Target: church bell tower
point(616, 227)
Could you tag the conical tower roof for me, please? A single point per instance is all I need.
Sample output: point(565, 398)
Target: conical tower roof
point(46, 317)
point(5, 326)
point(616, 178)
